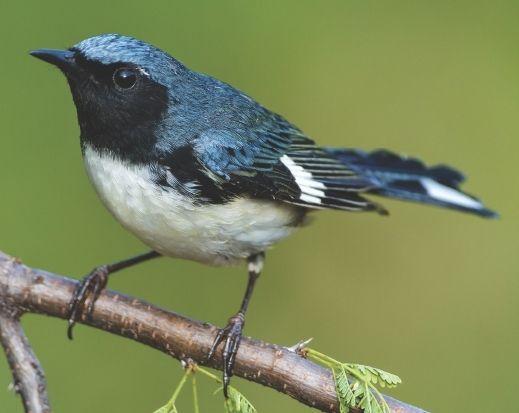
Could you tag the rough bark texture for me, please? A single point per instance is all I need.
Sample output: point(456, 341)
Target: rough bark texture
point(23, 289)
point(28, 377)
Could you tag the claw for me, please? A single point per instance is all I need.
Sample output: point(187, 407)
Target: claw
point(90, 286)
point(232, 334)
point(217, 340)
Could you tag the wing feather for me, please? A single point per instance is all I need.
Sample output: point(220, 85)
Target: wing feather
point(277, 161)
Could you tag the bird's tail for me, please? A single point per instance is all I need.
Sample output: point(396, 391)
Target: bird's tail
point(409, 179)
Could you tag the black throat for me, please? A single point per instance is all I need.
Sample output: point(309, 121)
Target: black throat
point(122, 124)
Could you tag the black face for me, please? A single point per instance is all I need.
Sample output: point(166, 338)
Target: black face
point(118, 105)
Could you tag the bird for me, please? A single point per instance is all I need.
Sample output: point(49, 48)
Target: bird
point(198, 170)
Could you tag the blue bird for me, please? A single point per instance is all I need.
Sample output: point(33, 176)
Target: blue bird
point(198, 170)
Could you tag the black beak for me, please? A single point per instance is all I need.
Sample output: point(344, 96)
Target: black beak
point(64, 59)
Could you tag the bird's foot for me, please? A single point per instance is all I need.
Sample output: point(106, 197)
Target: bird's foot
point(89, 287)
point(232, 334)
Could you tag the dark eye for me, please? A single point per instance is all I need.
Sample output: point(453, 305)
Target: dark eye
point(125, 77)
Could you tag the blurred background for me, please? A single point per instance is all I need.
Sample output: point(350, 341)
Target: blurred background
point(429, 294)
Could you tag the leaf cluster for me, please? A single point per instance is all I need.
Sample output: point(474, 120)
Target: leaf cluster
point(356, 384)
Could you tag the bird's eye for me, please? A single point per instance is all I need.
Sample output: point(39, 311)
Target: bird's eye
point(125, 77)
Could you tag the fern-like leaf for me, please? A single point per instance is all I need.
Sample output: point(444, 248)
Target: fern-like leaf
point(388, 379)
point(377, 376)
point(168, 408)
point(238, 403)
point(345, 393)
point(356, 384)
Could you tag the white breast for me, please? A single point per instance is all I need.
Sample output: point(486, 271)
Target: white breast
point(173, 225)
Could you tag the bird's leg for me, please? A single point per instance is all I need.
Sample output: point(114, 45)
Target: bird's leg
point(92, 285)
point(232, 333)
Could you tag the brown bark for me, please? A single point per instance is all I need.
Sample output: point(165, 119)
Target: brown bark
point(23, 289)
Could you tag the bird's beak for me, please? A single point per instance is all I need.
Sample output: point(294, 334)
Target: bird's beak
point(64, 59)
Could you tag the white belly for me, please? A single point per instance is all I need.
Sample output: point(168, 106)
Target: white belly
point(173, 225)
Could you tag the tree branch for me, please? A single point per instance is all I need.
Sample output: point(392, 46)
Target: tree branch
point(28, 377)
point(31, 290)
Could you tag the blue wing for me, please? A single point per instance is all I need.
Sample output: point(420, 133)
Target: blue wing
point(277, 161)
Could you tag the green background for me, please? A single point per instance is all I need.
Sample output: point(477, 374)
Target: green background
point(429, 294)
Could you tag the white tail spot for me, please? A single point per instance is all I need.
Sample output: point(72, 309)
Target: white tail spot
point(446, 194)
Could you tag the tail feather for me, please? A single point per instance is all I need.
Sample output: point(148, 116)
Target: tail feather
point(410, 179)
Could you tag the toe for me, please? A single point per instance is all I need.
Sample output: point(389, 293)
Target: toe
point(231, 336)
point(217, 340)
point(232, 343)
point(90, 286)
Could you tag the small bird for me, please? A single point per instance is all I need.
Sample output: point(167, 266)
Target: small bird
point(198, 170)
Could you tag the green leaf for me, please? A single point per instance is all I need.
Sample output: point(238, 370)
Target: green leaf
point(345, 394)
point(238, 403)
point(163, 409)
point(390, 379)
point(356, 384)
point(375, 375)
point(168, 408)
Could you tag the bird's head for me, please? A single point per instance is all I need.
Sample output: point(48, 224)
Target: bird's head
point(120, 86)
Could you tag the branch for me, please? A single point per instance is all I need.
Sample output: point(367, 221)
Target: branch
point(37, 291)
point(28, 377)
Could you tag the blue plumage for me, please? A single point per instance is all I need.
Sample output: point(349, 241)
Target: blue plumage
point(199, 170)
point(239, 147)
point(403, 178)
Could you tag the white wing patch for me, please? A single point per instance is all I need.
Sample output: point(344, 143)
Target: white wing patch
point(311, 190)
point(446, 194)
